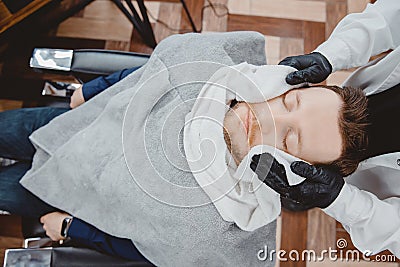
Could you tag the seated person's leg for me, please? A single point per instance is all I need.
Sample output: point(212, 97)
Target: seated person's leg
point(14, 198)
point(16, 126)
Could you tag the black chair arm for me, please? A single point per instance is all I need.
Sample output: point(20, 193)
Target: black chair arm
point(84, 257)
point(104, 62)
point(85, 61)
point(71, 253)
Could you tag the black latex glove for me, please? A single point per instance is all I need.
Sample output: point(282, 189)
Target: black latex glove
point(313, 68)
point(320, 188)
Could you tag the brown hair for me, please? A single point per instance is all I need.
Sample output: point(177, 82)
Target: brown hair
point(353, 128)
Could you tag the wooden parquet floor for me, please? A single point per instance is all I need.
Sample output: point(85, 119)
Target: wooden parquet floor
point(291, 27)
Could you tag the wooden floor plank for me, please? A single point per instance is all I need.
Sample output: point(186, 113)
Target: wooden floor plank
point(335, 12)
point(215, 21)
point(272, 49)
point(321, 231)
point(291, 47)
point(173, 21)
point(194, 7)
point(293, 236)
point(267, 26)
point(117, 45)
point(91, 28)
point(7, 105)
point(292, 9)
point(104, 11)
point(137, 44)
point(10, 225)
point(239, 7)
point(314, 35)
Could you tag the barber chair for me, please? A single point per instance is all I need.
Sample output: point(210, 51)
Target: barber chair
point(84, 64)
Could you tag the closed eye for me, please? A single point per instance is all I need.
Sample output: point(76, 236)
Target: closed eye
point(284, 102)
point(284, 140)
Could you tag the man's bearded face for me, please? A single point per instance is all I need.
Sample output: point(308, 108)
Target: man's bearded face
point(301, 122)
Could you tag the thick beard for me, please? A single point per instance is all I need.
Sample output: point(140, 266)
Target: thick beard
point(234, 150)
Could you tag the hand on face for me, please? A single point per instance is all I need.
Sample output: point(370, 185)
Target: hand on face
point(314, 68)
point(320, 188)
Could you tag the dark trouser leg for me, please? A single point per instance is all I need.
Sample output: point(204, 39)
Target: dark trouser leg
point(16, 126)
point(14, 198)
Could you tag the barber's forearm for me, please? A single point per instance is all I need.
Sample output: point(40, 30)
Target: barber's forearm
point(362, 35)
point(365, 217)
point(96, 86)
point(348, 206)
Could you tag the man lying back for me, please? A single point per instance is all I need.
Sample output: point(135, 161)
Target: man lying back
point(301, 117)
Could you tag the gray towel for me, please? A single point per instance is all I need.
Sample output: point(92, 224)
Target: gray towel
point(117, 161)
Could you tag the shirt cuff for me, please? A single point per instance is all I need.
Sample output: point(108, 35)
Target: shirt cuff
point(88, 91)
point(348, 206)
point(79, 230)
point(337, 52)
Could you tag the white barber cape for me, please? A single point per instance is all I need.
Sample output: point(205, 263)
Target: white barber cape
point(369, 204)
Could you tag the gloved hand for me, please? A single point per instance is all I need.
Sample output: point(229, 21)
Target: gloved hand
point(320, 188)
point(313, 68)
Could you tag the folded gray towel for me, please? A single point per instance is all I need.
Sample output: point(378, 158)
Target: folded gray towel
point(117, 161)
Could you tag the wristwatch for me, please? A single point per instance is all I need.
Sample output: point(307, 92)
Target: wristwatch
point(65, 226)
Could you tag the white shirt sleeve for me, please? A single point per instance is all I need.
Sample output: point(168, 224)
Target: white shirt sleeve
point(361, 35)
point(373, 224)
